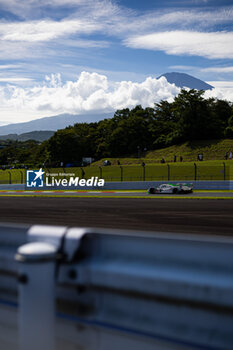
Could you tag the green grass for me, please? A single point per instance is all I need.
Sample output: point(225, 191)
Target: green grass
point(214, 166)
point(209, 170)
point(12, 176)
point(211, 149)
point(206, 170)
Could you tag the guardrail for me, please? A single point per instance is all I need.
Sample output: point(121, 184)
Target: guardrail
point(86, 288)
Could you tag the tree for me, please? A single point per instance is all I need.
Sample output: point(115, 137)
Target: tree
point(194, 116)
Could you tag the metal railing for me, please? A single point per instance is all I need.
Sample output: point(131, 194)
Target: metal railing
point(110, 289)
point(146, 172)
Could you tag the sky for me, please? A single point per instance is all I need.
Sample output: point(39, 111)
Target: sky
point(95, 56)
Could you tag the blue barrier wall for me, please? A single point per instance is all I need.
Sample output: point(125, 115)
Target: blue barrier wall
point(143, 185)
point(130, 185)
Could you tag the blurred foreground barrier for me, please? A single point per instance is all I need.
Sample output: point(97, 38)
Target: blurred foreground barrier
point(105, 289)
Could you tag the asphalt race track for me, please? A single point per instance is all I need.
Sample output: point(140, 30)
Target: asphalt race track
point(205, 216)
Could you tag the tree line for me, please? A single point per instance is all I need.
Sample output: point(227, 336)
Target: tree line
point(189, 117)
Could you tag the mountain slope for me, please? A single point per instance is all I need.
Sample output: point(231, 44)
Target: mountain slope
point(3, 123)
point(51, 123)
point(186, 80)
point(34, 135)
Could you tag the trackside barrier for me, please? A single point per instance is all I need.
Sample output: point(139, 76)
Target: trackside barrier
point(178, 171)
point(170, 171)
point(80, 288)
point(131, 185)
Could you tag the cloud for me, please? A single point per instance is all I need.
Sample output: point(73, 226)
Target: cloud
point(222, 84)
point(123, 22)
point(49, 24)
point(37, 9)
point(91, 92)
point(210, 45)
point(9, 66)
point(183, 67)
point(45, 30)
point(109, 15)
point(218, 69)
point(15, 79)
point(194, 18)
point(223, 92)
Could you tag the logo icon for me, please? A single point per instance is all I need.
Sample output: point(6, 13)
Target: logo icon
point(35, 178)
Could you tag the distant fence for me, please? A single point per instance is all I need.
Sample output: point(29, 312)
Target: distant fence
point(119, 173)
point(155, 172)
point(12, 176)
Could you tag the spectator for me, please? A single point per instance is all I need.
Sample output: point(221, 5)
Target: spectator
point(226, 155)
point(230, 155)
point(83, 173)
point(181, 159)
point(162, 160)
point(174, 158)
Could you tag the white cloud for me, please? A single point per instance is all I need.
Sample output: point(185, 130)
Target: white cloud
point(8, 66)
point(190, 18)
point(34, 8)
point(221, 84)
point(105, 8)
point(218, 69)
point(223, 92)
point(44, 30)
point(210, 45)
point(14, 80)
point(74, 9)
point(42, 34)
point(91, 92)
point(183, 67)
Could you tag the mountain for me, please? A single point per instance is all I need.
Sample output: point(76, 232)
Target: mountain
point(63, 120)
point(51, 123)
point(3, 123)
point(185, 80)
point(34, 135)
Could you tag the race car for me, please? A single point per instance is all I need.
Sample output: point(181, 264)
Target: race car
point(179, 188)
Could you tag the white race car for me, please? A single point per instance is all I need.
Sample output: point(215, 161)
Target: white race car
point(179, 188)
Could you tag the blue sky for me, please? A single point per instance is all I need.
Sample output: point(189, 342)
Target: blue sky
point(84, 56)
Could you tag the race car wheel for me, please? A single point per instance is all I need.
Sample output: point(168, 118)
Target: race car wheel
point(151, 190)
point(175, 190)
